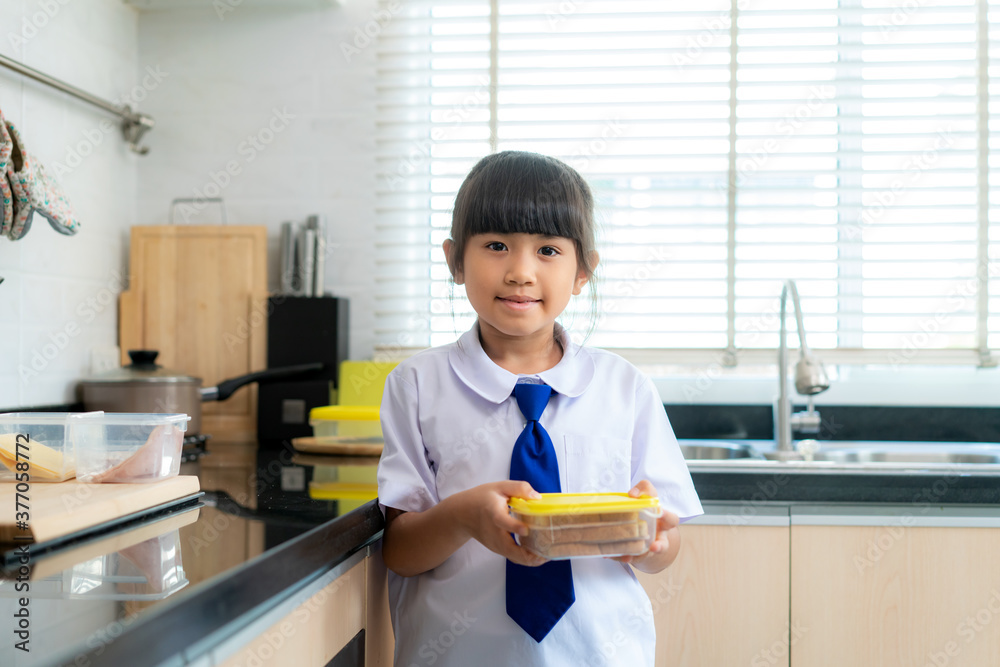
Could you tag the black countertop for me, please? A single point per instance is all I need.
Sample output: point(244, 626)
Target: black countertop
point(892, 482)
point(268, 524)
point(933, 487)
point(272, 521)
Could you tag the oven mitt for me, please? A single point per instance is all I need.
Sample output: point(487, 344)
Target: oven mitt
point(34, 192)
point(6, 196)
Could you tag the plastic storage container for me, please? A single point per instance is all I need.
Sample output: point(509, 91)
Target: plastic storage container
point(347, 424)
point(577, 525)
point(135, 448)
point(113, 567)
point(44, 444)
point(91, 446)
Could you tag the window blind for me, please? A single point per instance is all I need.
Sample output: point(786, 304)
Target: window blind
point(730, 145)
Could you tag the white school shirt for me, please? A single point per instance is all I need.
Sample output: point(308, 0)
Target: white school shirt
point(450, 423)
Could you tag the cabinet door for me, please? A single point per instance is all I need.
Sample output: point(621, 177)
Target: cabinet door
point(895, 595)
point(315, 632)
point(379, 641)
point(724, 601)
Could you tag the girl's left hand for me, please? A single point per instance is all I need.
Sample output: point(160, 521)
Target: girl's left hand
point(667, 521)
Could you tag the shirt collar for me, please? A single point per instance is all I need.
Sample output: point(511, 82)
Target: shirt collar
point(570, 377)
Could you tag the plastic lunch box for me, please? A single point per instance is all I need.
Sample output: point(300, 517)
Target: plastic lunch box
point(579, 525)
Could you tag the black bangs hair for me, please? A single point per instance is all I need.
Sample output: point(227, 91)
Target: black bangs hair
point(518, 192)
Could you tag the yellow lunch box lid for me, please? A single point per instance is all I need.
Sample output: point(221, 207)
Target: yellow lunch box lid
point(343, 490)
point(344, 413)
point(582, 503)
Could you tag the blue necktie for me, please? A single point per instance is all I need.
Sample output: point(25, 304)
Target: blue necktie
point(537, 597)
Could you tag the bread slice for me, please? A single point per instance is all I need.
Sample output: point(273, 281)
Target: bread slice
point(571, 550)
point(625, 547)
point(617, 548)
point(568, 519)
point(598, 532)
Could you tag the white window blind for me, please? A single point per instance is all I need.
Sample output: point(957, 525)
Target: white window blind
point(730, 144)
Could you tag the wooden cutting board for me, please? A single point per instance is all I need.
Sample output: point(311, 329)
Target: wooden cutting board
point(337, 445)
point(55, 510)
point(198, 294)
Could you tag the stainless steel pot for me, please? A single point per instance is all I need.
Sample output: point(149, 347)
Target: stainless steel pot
point(145, 386)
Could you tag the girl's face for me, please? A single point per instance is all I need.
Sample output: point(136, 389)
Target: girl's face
point(519, 283)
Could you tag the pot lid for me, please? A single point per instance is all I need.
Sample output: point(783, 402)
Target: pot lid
point(144, 369)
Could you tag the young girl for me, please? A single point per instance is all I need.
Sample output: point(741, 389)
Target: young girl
point(522, 243)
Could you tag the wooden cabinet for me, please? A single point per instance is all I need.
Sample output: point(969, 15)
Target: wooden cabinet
point(380, 643)
point(832, 585)
point(198, 294)
point(724, 601)
point(315, 631)
point(895, 594)
point(783, 588)
point(341, 620)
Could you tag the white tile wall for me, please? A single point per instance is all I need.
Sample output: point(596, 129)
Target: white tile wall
point(46, 325)
point(236, 78)
point(210, 84)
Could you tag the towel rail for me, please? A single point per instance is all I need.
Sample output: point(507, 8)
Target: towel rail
point(134, 124)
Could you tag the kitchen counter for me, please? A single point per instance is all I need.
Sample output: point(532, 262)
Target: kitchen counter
point(274, 522)
point(257, 535)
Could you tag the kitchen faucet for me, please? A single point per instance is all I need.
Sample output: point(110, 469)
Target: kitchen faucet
point(810, 379)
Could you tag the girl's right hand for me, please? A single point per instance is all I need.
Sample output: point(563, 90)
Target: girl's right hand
point(483, 514)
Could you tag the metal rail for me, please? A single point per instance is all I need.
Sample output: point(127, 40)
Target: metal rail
point(134, 124)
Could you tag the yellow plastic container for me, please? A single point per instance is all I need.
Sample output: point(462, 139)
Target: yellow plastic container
point(362, 382)
point(354, 424)
point(581, 525)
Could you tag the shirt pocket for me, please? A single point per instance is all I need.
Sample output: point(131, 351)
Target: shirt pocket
point(597, 465)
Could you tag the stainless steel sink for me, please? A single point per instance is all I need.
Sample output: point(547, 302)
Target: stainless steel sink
point(929, 453)
point(716, 450)
point(905, 456)
point(872, 454)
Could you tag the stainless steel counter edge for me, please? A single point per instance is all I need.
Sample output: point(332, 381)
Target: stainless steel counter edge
point(730, 514)
point(780, 514)
point(220, 609)
point(824, 468)
point(780, 483)
point(919, 515)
